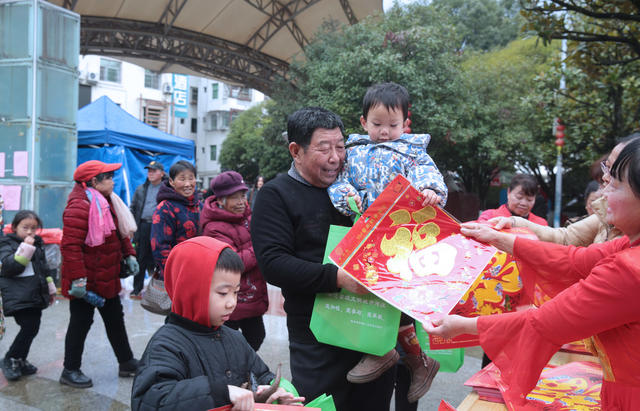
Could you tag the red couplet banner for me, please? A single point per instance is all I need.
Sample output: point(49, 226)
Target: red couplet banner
point(411, 256)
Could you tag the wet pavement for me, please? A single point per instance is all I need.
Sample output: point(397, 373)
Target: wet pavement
point(42, 391)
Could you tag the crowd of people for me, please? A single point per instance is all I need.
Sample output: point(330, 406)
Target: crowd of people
point(216, 255)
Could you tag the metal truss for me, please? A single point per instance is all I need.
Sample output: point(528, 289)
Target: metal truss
point(348, 11)
point(280, 15)
point(170, 13)
point(207, 55)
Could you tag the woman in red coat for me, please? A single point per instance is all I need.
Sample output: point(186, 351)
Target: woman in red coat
point(594, 293)
point(521, 196)
point(226, 216)
point(92, 251)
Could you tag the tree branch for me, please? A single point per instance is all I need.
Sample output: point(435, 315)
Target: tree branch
point(585, 11)
point(591, 38)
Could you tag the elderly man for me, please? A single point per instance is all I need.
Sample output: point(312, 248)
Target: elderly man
point(289, 229)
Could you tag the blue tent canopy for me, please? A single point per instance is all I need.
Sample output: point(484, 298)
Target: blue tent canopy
point(108, 133)
point(104, 122)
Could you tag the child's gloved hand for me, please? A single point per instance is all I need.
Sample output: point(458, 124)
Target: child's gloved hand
point(132, 265)
point(78, 287)
point(241, 399)
point(52, 290)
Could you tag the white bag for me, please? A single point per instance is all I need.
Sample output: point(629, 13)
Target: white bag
point(126, 223)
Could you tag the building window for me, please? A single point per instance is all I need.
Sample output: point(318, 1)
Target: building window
point(237, 92)
point(151, 79)
point(234, 114)
point(218, 120)
point(194, 95)
point(214, 91)
point(152, 116)
point(110, 70)
point(194, 125)
point(213, 150)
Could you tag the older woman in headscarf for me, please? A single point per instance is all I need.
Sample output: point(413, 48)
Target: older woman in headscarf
point(226, 216)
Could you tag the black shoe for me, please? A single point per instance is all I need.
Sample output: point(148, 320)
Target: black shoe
point(27, 368)
point(128, 368)
point(75, 378)
point(11, 368)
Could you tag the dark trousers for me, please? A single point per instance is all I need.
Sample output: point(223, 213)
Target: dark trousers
point(319, 368)
point(252, 329)
point(144, 256)
point(29, 321)
point(80, 322)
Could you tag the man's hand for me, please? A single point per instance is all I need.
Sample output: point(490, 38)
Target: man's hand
point(430, 198)
point(241, 399)
point(347, 282)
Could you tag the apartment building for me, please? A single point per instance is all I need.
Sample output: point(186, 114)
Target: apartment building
point(187, 106)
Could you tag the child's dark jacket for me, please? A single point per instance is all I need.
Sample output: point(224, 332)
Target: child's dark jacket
point(19, 292)
point(188, 363)
point(188, 366)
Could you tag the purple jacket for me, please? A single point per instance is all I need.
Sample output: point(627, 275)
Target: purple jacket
point(233, 229)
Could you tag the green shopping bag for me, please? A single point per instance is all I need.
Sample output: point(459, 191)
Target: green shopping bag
point(363, 323)
point(450, 359)
point(324, 402)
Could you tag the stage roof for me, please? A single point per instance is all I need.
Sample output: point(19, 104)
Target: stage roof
point(248, 42)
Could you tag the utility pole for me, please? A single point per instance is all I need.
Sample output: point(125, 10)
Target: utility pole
point(559, 134)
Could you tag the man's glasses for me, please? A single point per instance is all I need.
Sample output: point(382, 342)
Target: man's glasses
point(604, 167)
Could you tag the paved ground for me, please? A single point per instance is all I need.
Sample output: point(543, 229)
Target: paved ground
point(43, 392)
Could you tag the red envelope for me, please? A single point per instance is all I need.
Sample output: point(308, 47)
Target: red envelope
point(411, 256)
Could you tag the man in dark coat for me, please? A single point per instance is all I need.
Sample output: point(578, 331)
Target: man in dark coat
point(142, 207)
point(289, 230)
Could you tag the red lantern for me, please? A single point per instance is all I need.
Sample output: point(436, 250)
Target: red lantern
point(560, 135)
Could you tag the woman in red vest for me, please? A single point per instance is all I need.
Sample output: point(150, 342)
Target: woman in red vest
point(521, 196)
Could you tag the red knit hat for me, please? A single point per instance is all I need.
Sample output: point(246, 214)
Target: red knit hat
point(86, 171)
point(228, 183)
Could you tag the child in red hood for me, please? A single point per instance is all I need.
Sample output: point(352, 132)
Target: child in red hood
point(193, 361)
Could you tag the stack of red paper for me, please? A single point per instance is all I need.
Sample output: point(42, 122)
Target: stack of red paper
point(571, 386)
point(485, 383)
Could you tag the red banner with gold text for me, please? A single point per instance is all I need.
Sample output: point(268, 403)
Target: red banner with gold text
point(411, 256)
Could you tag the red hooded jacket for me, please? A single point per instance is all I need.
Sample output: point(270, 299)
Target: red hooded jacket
point(193, 279)
point(100, 264)
point(188, 364)
point(233, 229)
